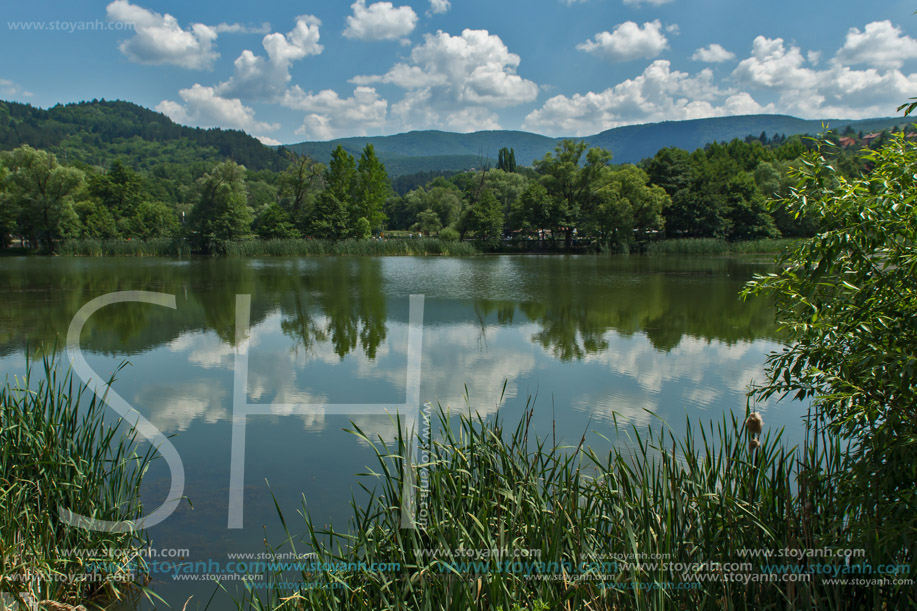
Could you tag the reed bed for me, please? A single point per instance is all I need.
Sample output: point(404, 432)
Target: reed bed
point(57, 452)
point(763, 246)
point(688, 246)
point(160, 247)
point(662, 522)
point(389, 247)
point(713, 246)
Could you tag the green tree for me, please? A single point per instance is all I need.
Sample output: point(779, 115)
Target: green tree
point(120, 190)
point(532, 211)
point(445, 199)
point(622, 202)
point(484, 218)
point(7, 212)
point(848, 303)
point(362, 229)
point(153, 219)
point(506, 160)
point(221, 214)
point(261, 194)
point(427, 222)
point(569, 183)
point(747, 211)
point(506, 187)
point(441, 196)
point(329, 219)
point(341, 176)
point(299, 183)
point(274, 223)
point(774, 181)
point(41, 191)
point(670, 168)
point(96, 221)
point(372, 188)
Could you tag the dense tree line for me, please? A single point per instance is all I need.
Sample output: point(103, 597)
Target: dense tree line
point(572, 194)
point(98, 131)
point(719, 191)
point(43, 201)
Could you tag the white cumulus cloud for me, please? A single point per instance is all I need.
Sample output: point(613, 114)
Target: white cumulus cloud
point(238, 28)
point(204, 107)
point(880, 44)
point(440, 6)
point(159, 39)
point(380, 21)
point(658, 94)
point(456, 81)
point(836, 91)
point(266, 78)
point(628, 41)
point(713, 54)
point(330, 115)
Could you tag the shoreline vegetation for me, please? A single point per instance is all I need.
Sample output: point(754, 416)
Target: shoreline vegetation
point(572, 200)
point(514, 521)
point(57, 452)
point(420, 246)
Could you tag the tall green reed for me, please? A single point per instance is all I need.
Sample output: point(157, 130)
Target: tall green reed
point(664, 521)
point(58, 452)
point(714, 246)
point(389, 247)
point(159, 247)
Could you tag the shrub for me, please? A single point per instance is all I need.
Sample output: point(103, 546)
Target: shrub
point(847, 300)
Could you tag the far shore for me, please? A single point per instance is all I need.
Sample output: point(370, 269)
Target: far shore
point(405, 246)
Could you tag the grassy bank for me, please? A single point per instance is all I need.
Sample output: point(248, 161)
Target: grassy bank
point(165, 247)
point(388, 247)
point(661, 524)
point(711, 246)
point(270, 248)
point(403, 246)
point(57, 453)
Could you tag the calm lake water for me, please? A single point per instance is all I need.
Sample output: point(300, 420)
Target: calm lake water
point(588, 337)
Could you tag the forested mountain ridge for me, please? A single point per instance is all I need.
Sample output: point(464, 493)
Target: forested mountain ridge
point(629, 144)
point(98, 131)
point(432, 144)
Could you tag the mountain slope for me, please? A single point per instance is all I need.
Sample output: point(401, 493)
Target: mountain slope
point(95, 132)
point(629, 144)
point(431, 143)
point(632, 143)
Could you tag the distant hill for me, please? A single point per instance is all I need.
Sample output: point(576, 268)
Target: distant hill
point(96, 132)
point(632, 143)
point(432, 143)
point(436, 150)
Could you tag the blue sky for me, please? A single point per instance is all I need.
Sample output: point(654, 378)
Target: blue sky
point(288, 71)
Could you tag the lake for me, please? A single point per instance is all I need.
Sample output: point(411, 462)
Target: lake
point(589, 339)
